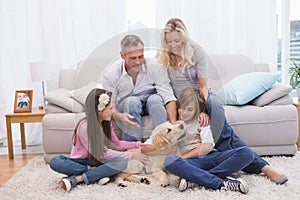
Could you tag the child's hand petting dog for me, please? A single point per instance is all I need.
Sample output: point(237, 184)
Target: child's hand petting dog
point(141, 157)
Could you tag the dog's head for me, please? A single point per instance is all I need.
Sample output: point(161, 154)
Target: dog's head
point(167, 134)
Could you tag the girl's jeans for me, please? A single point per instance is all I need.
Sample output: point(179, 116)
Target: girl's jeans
point(70, 166)
point(224, 135)
point(210, 170)
point(154, 106)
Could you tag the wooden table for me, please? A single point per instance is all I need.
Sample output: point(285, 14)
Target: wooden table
point(36, 115)
point(297, 104)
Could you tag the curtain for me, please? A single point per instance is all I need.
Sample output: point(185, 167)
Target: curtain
point(58, 32)
point(63, 32)
point(227, 26)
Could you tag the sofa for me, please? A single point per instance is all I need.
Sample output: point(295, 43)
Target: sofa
point(267, 122)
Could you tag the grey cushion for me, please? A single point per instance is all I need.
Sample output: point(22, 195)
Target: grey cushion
point(285, 100)
point(80, 94)
point(62, 97)
point(277, 91)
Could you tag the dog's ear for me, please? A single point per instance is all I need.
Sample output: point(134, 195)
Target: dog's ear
point(159, 142)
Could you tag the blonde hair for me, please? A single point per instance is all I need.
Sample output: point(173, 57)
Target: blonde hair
point(167, 58)
point(99, 131)
point(191, 94)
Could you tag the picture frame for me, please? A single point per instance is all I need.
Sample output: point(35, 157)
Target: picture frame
point(23, 101)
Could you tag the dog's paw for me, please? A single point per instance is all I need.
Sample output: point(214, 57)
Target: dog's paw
point(164, 183)
point(122, 185)
point(145, 180)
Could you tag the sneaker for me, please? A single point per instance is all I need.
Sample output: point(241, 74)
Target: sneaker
point(103, 181)
point(184, 184)
point(69, 183)
point(233, 184)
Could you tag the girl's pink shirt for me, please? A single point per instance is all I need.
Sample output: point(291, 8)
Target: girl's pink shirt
point(80, 150)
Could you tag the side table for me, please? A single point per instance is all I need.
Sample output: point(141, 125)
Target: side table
point(36, 115)
point(297, 104)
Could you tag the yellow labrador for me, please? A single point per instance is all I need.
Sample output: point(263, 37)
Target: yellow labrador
point(164, 138)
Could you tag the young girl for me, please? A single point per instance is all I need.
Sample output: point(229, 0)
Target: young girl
point(200, 163)
point(93, 156)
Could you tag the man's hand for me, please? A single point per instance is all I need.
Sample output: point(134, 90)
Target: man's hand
point(125, 119)
point(203, 119)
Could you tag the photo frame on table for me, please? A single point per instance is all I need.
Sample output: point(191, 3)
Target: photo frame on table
point(23, 101)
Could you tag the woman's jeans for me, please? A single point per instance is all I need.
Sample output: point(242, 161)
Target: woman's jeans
point(70, 166)
point(224, 135)
point(210, 170)
point(154, 106)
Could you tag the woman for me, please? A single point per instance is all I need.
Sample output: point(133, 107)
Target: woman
point(187, 65)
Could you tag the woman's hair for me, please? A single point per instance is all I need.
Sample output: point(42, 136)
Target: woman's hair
point(167, 58)
point(191, 94)
point(99, 131)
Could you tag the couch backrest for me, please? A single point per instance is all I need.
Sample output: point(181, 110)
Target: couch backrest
point(223, 68)
point(87, 71)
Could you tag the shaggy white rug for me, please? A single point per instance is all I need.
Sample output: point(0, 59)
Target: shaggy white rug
point(37, 181)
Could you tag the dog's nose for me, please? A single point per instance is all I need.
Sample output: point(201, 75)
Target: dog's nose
point(181, 126)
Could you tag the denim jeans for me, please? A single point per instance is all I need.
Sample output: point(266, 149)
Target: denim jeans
point(224, 135)
point(154, 106)
point(71, 166)
point(210, 170)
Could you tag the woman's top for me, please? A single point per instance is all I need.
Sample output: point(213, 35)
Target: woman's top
point(191, 75)
point(80, 150)
point(195, 135)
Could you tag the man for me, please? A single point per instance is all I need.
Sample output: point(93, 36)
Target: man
point(140, 87)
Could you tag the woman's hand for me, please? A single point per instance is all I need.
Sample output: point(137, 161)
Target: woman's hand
point(203, 119)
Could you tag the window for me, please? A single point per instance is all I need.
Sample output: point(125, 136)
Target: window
point(140, 14)
point(288, 23)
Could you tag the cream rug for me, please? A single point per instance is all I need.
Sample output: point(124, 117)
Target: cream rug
point(37, 181)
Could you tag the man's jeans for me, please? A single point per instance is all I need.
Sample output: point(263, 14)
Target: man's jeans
point(154, 106)
point(224, 136)
point(69, 167)
point(210, 170)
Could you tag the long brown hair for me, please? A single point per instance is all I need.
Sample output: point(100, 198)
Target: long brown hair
point(99, 131)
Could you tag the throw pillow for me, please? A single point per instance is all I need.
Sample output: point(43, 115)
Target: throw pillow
point(285, 100)
point(80, 94)
point(245, 87)
point(62, 98)
point(277, 91)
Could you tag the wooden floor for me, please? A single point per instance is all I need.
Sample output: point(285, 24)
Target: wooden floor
point(11, 166)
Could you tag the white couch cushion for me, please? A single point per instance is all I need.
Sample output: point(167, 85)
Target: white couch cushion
point(80, 94)
point(62, 98)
